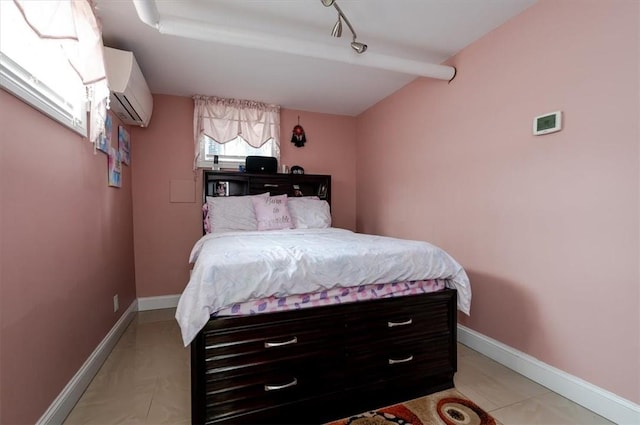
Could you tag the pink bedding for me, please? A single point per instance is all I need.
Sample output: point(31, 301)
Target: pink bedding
point(333, 296)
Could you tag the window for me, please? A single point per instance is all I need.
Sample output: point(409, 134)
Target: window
point(248, 128)
point(233, 154)
point(38, 71)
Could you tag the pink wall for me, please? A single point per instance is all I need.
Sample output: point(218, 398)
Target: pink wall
point(330, 149)
point(547, 227)
point(66, 248)
point(165, 232)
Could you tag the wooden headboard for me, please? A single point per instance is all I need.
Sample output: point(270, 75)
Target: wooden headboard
point(222, 183)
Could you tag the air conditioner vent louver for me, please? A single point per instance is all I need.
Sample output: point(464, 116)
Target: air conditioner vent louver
point(131, 99)
point(125, 109)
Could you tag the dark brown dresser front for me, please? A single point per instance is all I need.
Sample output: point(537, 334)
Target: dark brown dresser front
point(318, 364)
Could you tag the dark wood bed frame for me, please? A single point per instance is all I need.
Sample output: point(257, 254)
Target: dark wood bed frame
point(319, 364)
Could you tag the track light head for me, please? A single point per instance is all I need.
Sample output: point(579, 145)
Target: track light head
point(337, 28)
point(336, 31)
point(359, 47)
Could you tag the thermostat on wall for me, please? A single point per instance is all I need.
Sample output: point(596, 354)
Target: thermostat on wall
point(547, 123)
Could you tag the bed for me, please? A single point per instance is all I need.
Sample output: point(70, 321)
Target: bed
point(305, 323)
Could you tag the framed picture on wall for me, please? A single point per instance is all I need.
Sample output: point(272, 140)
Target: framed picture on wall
point(104, 140)
point(114, 168)
point(124, 145)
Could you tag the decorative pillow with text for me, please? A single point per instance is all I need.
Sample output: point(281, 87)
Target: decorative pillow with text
point(272, 212)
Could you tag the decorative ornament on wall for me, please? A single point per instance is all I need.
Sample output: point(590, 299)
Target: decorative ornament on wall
point(298, 138)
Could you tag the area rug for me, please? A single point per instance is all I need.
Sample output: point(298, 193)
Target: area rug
point(444, 408)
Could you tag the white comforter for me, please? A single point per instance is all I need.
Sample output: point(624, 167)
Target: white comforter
point(240, 266)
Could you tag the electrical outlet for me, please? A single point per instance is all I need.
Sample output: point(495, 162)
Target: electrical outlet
point(116, 303)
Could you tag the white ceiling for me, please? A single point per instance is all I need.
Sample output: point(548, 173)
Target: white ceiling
point(428, 31)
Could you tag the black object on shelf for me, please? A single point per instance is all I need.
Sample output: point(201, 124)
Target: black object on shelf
point(261, 164)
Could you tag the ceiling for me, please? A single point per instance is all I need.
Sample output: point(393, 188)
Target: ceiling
point(281, 51)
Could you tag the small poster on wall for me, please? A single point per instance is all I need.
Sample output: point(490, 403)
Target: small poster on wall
point(104, 141)
point(115, 168)
point(124, 145)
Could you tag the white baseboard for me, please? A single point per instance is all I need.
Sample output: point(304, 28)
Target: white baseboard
point(158, 303)
point(71, 393)
point(596, 399)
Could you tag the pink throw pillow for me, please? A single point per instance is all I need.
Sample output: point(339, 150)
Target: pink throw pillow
point(272, 212)
point(205, 218)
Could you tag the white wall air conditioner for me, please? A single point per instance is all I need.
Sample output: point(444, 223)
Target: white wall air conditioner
point(131, 99)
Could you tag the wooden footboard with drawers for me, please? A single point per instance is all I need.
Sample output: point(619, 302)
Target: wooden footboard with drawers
point(319, 364)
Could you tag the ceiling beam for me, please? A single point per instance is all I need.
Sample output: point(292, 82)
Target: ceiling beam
point(188, 28)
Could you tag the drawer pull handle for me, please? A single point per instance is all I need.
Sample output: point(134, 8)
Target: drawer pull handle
point(280, 344)
point(408, 359)
point(393, 324)
point(281, 387)
point(270, 185)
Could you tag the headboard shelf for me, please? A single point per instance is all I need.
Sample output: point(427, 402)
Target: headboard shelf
point(225, 183)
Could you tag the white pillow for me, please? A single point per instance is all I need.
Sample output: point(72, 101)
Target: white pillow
point(232, 213)
point(308, 213)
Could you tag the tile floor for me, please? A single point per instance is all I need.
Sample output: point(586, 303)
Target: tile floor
point(145, 380)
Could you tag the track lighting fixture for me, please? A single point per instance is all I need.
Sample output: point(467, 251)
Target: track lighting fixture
point(337, 28)
point(358, 47)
